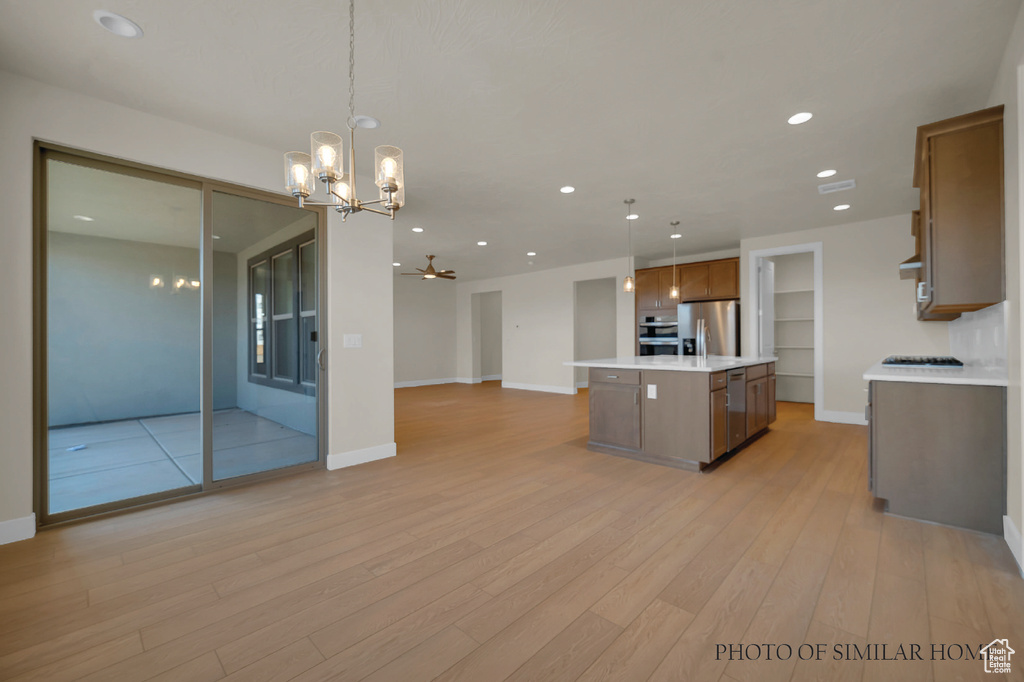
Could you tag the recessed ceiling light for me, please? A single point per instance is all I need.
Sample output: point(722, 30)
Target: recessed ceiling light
point(84, 218)
point(531, 253)
point(417, 229)
point(632, 216)
point(841, 207)
point(802, 117)
point(116, 24)
point(368, 122)
point(481, 243)
point(675, 236)
point(397, 264)
point(568, 189)
point(827, 173)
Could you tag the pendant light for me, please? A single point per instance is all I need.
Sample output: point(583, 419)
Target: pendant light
point(628, 284)
point(673, 291)
point(326, 160)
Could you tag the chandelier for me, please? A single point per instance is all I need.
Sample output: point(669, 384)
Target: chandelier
point(325, 160)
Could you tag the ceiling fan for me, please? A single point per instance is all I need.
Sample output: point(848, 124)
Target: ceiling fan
point(431, 273)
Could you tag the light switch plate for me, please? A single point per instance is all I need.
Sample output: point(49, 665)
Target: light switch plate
point(652, 391)
point(353, 341)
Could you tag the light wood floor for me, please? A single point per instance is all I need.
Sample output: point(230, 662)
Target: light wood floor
point(496, 547)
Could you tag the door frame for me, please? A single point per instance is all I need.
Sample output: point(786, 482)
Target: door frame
point(42, 150)
point(754, 258)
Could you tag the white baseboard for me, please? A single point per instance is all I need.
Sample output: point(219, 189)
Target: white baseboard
point(425, 382)
point(539, 387)
point(466, 380)
point(491, 377)
point(582, 384)
point(838, 417)
point(25, 528)
point(353, 457)
point(1013, 540)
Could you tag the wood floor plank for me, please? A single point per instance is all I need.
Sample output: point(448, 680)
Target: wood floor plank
point(635, 653)
point(376, 564)
point(899, 616)
point(783, 617)
point(570, 652)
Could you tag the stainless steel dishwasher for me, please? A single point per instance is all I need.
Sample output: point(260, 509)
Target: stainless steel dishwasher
point(737, 402)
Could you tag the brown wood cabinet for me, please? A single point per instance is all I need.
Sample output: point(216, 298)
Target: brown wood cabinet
point(710, 280)
point(680, 419)
point(936, 452)
point(958, 167)
point(615, 408)
point(653, 288)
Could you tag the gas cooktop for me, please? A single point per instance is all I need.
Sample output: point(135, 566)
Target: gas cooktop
point(946, 362)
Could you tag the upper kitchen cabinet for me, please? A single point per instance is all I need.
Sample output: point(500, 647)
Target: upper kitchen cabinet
point(652, 289)
point(710, 280)
point(959, 169)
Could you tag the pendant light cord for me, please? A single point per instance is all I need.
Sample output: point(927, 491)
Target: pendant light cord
point(351, 64)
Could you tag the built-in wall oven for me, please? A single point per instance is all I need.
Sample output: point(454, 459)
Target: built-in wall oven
point(658, 335)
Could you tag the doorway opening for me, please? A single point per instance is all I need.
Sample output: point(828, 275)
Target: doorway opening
point(786, 283)
point(593, 323)
point(487, 336)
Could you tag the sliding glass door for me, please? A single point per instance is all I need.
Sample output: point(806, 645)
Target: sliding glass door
point(180, 332)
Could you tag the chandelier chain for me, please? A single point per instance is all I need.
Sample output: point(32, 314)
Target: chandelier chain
point(351, 63)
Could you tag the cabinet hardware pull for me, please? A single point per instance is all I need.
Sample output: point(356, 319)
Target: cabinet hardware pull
point(320, 360)
point(635, 398)
point(613, 376)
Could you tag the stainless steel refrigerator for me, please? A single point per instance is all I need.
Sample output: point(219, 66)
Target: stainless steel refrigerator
point(722, 319)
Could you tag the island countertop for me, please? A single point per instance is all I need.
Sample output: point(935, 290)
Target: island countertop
point(675, 363)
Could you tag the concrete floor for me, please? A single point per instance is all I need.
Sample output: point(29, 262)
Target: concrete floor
point(134, 457)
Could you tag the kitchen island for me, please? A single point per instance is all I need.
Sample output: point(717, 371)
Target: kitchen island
point(937, 443)
point(680, 411)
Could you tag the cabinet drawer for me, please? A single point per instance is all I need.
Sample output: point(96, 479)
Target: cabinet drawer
point(614, 376)
point(718, 381)
point(771, 368)
point(756, 371)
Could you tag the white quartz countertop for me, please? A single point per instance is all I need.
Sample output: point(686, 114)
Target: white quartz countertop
point(675, 363)
point(968, 374)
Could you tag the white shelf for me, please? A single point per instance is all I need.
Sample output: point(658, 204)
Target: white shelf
point(794, 319)
point(794, 374)
point(794, 347)
point(795, 291)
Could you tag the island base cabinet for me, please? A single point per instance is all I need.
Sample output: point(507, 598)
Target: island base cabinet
point(937, 452)
point(677, 420)
point(615, 409)
point(719, 422)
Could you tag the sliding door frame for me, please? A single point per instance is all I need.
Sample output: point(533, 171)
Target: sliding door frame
point(42, 151)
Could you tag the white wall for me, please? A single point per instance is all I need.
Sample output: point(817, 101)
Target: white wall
point(360, 394)
point(490, 335)
point(594, 322)
point(868, 310)
point(424, 319)
point(693, 258)
point(537, 324)
point(1007, 91)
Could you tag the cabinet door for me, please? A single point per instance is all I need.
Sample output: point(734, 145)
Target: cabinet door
point(694, 282)
point(665, 288)
point(719, 423)
point(615, 415)
point(757, 405)
point(724, 279)
point(771, 398)
point(648, 288)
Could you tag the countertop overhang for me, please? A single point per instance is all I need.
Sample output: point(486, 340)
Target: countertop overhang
point(675, 363)
point(973, 375)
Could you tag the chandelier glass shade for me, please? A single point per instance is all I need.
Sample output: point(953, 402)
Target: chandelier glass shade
point(673, 291)
point(629, 284)
point(325, 162)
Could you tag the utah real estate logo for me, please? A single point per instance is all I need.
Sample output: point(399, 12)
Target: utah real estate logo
point(996, 655)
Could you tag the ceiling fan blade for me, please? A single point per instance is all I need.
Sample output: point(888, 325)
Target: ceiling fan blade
point(448, 272)
point(440, 276)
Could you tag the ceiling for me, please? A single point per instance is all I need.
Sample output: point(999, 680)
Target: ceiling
point(680, 104)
